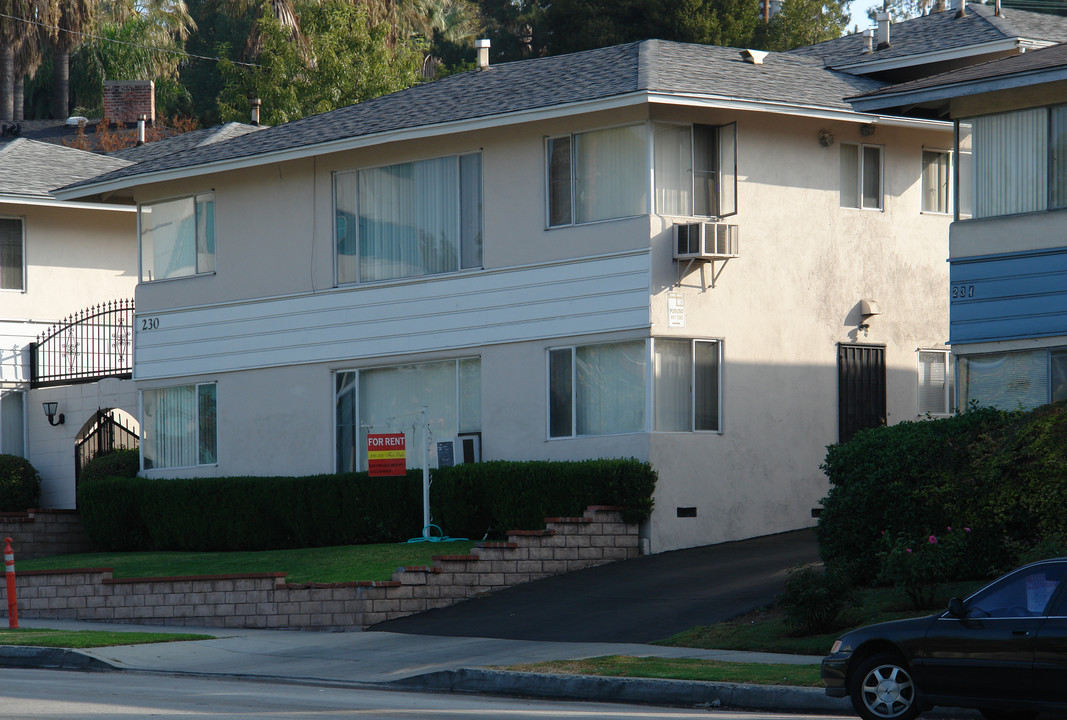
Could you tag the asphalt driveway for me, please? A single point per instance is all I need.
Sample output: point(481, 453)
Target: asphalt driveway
point(634, 601)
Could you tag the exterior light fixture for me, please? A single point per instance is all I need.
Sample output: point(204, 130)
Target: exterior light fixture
point(868, 309)
point(50, 411)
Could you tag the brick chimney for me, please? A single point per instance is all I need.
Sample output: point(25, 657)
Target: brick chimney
point(127, 101)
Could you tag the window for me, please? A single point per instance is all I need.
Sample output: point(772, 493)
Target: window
point(1011, 380)
point(410, 219)
point(597, 175)
point(382, 400)
point(1025, 593)
point(695, 169)
point(935, 184)
point(936, 385)
point(597, 389)
point(12, 257)
point(177, 237)
point(12, 424)
point(686, 385)
point(1017, 162)
point(861, 176)
point(179, 426)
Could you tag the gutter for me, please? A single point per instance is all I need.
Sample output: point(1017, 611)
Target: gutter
point(967, 51)
point(961, 89)
point(484, 123)
point(47, 201)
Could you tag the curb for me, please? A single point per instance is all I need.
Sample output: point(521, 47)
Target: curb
point(26, 656)
point(772, 698)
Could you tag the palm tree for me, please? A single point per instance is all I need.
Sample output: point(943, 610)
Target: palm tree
point(282, 10)
point(13, 30)
point(28, 57)
point(69, 20)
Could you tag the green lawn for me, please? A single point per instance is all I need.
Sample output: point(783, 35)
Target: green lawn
point(40, 637)
point(680, 669)
point(349, 563)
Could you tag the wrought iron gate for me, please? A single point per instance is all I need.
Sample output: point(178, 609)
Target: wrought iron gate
point(106, 435)
point(860, 389)
point(92, 344)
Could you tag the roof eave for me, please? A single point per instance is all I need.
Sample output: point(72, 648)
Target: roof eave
point(49, 201)
point(958, 53)
point(489, 121)
point(960, 89)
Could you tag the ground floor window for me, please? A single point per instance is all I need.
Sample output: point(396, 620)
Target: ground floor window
point(179, 426)
point(936, 386)
point(1011, 380)
point(12, 423)
point(389, 400)
point(604, 389)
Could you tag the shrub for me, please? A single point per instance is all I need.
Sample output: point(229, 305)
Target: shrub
point(813, 601)
point(118, 463)
point(20, 485)
point(919, 565)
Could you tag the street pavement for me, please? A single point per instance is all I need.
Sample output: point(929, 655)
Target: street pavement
point(611, 610)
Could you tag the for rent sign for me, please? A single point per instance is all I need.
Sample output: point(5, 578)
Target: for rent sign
point(385, 455)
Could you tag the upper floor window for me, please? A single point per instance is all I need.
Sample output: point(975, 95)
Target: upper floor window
point(12, 255)
point(935, 181)
point(1013, 162)
point(177, 237)
point(409, 219)
point(936, 386)
point(179, 426)
point(695, 169)
point(861, 176)
point(597, 175)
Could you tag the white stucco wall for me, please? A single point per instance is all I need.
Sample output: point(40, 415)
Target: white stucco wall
point(781, 309)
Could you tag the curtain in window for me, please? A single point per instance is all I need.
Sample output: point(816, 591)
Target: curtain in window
point(205, 233)
point(610, 388)
point(1057, 146)
point(170, 417)
point(965, 171)
point(673, 146)
point(610, 174)
point(12, 440)
point(673, 389)
point(934, 383)
point(1011, 162)
point(1005, 380)
point(347, 422)
point(559, 181)
point(872, 177)
point(706, 385)
point(470, 210)
point(207, 433)
point(390, 400)
point(346, 227)
point(561, 393)
point(850, 178)
point(11, 260)
point(168, 239)
point(935, 181)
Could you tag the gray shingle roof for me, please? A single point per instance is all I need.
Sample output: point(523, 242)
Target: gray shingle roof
point(35, 169)
point(651, 65)
point(185, 141)
point(942, 31)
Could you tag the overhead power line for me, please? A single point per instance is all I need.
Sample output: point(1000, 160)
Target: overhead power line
point(101, 38)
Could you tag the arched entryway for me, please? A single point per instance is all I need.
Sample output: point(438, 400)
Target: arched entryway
point(107, 430)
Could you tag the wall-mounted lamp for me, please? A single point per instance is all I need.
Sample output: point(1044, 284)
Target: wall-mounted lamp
point(868, 309)
point(50, 411)
point(868, 129)
point(826, 138)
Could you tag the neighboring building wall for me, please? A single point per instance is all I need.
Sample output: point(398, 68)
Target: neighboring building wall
point(780, 310)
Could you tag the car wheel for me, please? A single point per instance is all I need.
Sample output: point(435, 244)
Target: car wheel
point(883, 689)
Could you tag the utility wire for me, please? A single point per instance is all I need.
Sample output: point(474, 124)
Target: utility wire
point(123, 42)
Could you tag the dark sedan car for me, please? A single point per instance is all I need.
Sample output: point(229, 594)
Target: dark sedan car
point(1003, 651)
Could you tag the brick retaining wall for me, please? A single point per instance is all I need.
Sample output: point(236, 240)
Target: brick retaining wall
point(265, 600)
point(43, 533)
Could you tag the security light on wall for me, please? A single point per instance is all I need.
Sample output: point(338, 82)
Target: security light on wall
point(50, 411)
point(868, 309)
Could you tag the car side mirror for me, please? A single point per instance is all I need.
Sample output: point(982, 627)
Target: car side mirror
point(956, 608)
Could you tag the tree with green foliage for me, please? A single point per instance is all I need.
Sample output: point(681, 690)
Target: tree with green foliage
point(68, 22)
point(515, 28)
point(351, 63)
point(803, 22)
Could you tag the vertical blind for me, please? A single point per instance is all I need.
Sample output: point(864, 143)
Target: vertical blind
point(179, 426)
point(11, 254)
point(1010, 162)
point(610, 174)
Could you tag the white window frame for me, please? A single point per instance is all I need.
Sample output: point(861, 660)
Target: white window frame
point(950, 384)
point(693, 342)
point(950, 190)
point(573, 180)
point(726, 202)
point(145, 428)
point(573, 348)
point(459, 219)
point(22, 228)
point(860, 174)
point(197, 271)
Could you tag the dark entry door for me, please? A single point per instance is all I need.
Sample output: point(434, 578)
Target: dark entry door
point(860, 388)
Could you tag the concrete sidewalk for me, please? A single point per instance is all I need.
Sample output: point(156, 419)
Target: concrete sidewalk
point(419, 662)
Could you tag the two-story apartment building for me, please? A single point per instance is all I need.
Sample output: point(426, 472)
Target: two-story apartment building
point(696, 256)
point(66, 269)
point(1008, 246)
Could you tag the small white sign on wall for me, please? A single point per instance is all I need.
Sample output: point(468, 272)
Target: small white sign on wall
point(675, 310)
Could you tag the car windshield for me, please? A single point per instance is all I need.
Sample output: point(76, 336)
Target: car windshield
point(1022, 594)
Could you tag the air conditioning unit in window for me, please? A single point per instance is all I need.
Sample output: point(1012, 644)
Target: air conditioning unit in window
point(705, 241)
point(460, 450)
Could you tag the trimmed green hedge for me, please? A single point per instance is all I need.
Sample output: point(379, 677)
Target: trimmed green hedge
point(20, 485)
point(1002, 475)
point(262, 513)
